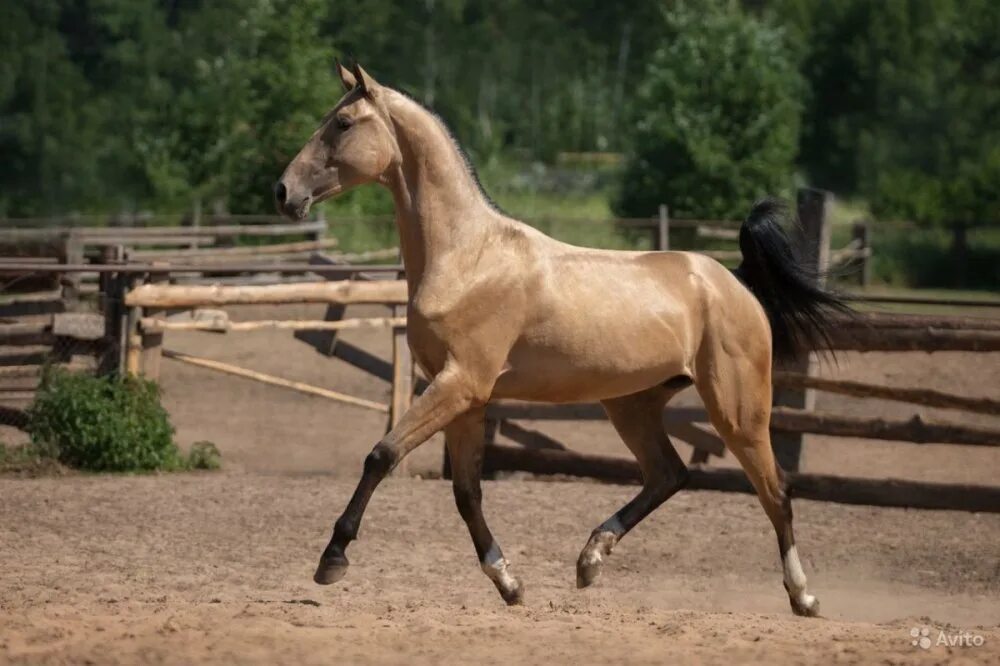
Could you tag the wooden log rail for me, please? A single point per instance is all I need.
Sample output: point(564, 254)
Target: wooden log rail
point(783, 419)
point(876, 331)
point(222, 324)
point(652, 222)
point(845, 490)
point(924, 300)
point(881, 320)
point(19, 371)
point(152, 235)
point(928, 339)
point(391, 292)
point(241, 251)
point(224, 268)
point(44, 330)
point(926, 397)
point(301, 387)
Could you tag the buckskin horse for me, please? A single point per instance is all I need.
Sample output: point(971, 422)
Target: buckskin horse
point(498, 310)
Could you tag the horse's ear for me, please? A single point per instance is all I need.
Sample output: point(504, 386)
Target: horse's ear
point(346, 77)
point(367, 83)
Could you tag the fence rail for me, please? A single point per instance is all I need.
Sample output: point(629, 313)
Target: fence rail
point(134, 323)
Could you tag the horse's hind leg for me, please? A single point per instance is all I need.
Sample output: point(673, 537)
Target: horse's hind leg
point(638, 418)
point(736, 389)
point(465, 439)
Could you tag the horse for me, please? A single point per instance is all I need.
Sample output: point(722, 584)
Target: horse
point(498, 310)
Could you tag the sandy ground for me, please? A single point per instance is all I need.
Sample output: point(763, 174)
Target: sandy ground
point(217, 567)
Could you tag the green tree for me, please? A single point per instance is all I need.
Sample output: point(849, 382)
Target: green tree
point(931, 152)
point(246, 84)
point(48, 118)
point(717, 116)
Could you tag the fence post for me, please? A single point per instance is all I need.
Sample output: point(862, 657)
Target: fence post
point(72, 253)
point(132, 337)
point(402, 375)
point(812, 245)
point(860, 232)
point(113, 305)
point(152, 343)
point(663, 229)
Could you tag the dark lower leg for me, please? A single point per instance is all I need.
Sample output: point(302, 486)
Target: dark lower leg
point(465, 441)
point(438, 406)
point(638, 420)
point(333, 563)
point(604, 538)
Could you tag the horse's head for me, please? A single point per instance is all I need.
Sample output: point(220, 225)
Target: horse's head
point(355, 144)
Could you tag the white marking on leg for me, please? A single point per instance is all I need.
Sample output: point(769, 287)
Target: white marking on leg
point(495, 567)
point(795, 579)
point(603, 540)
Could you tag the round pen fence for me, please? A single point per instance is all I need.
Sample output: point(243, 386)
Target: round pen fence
point(166, 285)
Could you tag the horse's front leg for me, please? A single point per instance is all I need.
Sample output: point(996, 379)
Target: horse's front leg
point(465, 439)
point(450, 394)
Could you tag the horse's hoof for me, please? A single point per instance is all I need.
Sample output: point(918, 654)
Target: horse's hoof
point(513, 596)
point(330, 570)
point(588, 567)
point(586, 574)
point(808, 606)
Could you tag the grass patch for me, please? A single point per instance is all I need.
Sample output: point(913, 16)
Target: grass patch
point(27, 460)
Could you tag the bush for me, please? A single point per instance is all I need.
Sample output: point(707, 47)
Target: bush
point(103, 424)
point(717, 116)
point(204, 455)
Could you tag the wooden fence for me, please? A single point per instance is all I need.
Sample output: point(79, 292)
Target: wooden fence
point(852, 260)
point(540, 453)
point(60, 284)
point(145, 301)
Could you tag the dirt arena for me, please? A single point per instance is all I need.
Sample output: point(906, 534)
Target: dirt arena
point(216, 567)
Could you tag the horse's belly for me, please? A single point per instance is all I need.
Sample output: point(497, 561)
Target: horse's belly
point(592, 364)
point(543, 386)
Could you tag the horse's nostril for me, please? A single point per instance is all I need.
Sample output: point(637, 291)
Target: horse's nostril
point(280, 193)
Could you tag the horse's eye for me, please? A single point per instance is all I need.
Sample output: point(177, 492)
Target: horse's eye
point(344, 123)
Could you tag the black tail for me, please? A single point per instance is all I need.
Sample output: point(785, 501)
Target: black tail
point(799, 310)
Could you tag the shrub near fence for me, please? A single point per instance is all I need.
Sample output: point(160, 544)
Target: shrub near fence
point(102, 424)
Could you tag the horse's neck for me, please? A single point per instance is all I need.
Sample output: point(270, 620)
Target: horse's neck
point(439, 207)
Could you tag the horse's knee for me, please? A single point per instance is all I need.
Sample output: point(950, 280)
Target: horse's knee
point(380, 461)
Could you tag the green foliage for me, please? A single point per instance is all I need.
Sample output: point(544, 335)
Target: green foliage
point(717, 116)
point(903, 103)
point(204, 455)
point(102, 424)
point(116, 104)
point(924, 257)
point(111, 105)
point(932, 154)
